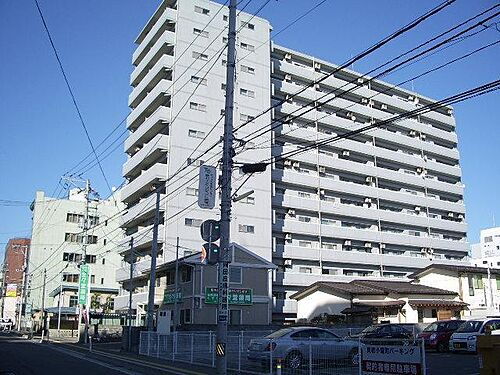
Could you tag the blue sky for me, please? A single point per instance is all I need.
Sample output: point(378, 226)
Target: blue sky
point(42, 136)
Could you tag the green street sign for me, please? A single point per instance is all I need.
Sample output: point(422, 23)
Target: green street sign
point(83, 288)
point(169, 296)
point(235, 296)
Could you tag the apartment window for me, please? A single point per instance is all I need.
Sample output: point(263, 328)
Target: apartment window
point(246, 118)
point(222, 86)
point(71, 277)
point(224, 40)
point(434, 313)
point(74, 218)
point(90, 259)
point(92, 240)
point(199, 32)
point(73, 301)
point(199, 80)
point(234, 317)
point(225, 18)
point(192, 222)
point(201, 10)
point(198, 106)
point(247, 46)
point(235, 275)
point(158, 282)
point(104, 242)
point(92, 279)
point(488, 239)
point(194, 162)
point(471, 285)
point(246, 92)
point(305, 243)
point(102, 280)
point(247, 69)
point(304, 219)
point(185, 316)
point(192, 191)
point(224, 62)
point(196, 133)
point(186, 274)
point(248, 200)
point(498, 282)
point(246, 228)
point(305, 270)
point(200, 56)
point(247, 25)
point(478, 282)
point(71, 237)
point(170, 278)
point(103, 261)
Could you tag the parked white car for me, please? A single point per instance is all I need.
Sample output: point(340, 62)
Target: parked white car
point(465, 337)
point(6, 324)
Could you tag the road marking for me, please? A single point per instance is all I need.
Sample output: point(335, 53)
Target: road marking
point(81, 356)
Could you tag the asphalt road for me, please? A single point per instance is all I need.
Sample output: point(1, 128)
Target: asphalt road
point(452, 363)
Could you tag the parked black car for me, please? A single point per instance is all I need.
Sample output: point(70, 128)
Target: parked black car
point(391, 331)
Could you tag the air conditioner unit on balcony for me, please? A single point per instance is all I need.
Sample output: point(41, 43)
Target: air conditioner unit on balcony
point(296, 164)
point(289, 99)
point(411, 98)
point(317, 66)
point(450, 214)
point(287, 162)
point(382, 245)
point(364, 100)
point(368, 244)
point(450, 112)
point(288, 78)
point(291, 212)
point(321, 169)
point(460, 216)
point(288, 236)
point(346, 153)
point(368, 200)
point(420, 170)
point(287, 262)
point(423, 136)
point(383, 106)
point(317, 87)
point(288, 56)
point(417, 208)
point(321, 192)
point(361, 80)
point(412, 133)
point(347, 242)
point(369, 179)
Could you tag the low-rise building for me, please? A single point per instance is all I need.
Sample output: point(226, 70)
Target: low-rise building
point(367, 302)
point(195, 303)
point(486, 253)
point(479, 287)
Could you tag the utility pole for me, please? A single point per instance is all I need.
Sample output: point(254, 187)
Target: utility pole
point(176, 282)
point(59, 303)
point(43, 302)
point(131, 292)
point(23, 284)
point(84, 260)
point(152, 275)
point(225, 207)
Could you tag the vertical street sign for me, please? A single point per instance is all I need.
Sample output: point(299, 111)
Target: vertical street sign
point(83, 288)
point(206, 186)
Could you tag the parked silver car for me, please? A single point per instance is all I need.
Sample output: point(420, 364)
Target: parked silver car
point(295, 346)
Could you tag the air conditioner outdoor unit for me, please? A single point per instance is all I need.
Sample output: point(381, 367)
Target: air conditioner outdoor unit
point(412, 133)
point(419, 170)
point(288, 78)
point(368, 200)
point(291, 212)
point(345, 153)
point(423, 136)
point(321, 169)
point(361, 80)
point(288, 236)
point(289, 99)
point(416, 101)
point(288, 56)
point(382, 245)
point(383, 106)
point(296, 164)
point(450, 112)
point(321, 192)
point(317, 87)
point(411, 97)
point(460, 216)
point(317, 66)
point(347, 242)
point(287, 262)
point(288, 162)
point(368, 244)
point(450, 214)
point(364, 101)
point(417, 208)
point(369, 179)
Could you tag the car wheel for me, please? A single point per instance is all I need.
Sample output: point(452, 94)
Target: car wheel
point(354, 357)
point(442, 347)
point(294, 360)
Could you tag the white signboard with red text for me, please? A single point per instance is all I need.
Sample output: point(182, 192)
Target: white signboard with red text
point(392, 360)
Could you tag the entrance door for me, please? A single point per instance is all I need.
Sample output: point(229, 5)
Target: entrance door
point(444, 314)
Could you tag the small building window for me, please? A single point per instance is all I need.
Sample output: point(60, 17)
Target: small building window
point(196, 133)
point(103, 261)
point(102, 280)
point(234, 317)
point(247, 46)
point(194, 162)
point(199, 32)
point(185, 316)
point(200, 56)
point(246, 228)
point(305, 269)
point(201, 10)
point(192, 191)
point(247, 69)
point(92, 279)
point(235, 275)
point(434, 313)
point(247, 25)
point(198, 106)
point(246, 92)
point(199, 80)
point(192, 222)
point(73, 301)
point(186, 274)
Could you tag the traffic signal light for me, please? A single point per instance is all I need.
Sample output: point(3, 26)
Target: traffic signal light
point(211, 251)
point(210, 232)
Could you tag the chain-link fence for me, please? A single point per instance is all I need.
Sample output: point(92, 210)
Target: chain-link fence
point(259, 352)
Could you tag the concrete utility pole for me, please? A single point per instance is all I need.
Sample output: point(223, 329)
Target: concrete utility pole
point(225, 207)
point(23, 285)
point(131, 292)
point(84, 260)
point(176, 283)
point(43, 302)
point(154, 254)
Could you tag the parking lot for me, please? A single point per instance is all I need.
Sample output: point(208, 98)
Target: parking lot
point(452, 363)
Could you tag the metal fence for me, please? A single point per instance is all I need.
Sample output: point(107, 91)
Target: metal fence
point(251, 352)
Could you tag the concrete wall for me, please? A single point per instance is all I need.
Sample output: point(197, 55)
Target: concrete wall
point(320, 302)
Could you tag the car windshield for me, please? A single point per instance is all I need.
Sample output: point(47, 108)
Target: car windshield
point(279, 333)
point(436, 327)
point(370, 329)
point(470, 326)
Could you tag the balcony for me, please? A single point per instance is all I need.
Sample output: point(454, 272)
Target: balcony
point(143, 239)
point(140, 269)
point(156, 98)
point(154, 124)
point(142, 210)
point(144, 183)
point(150, 153)
point(152, 39)
point(159, 71)
point(121, 302)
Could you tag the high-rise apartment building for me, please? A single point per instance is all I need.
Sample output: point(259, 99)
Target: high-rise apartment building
point(381, 204)
point(57, 247)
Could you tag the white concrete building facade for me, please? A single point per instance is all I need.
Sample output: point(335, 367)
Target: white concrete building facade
point(378, 205)
point(57, 248)
point(486, 253)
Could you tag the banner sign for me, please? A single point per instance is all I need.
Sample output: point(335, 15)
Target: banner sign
point(207, 186)
point(235, 296)
point(83, 288)
point(169, 296)
point(11, 290)
point(391, 359)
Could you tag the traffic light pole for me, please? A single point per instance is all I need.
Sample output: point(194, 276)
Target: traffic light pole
point(225, 222)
